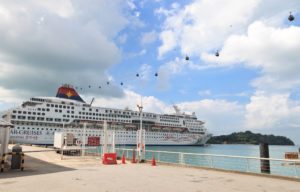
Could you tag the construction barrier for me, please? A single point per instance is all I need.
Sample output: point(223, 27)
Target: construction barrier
point(93, 141)
point(109, 158)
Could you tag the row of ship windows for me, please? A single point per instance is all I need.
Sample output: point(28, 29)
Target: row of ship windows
point(86, 117)
point(67, 120)
point(97, 110)
point(80, 130)
point(102, 119)
point(168, 124)
point(78, 134)
point(126, 113)
point(29, 113)
point(128, 136)
point(37, 118)
point(59, 106)
point(193, 124)
point(97, 114)
point(169, 118)
point(42, 129)
point(193, 127)
point(104, 115)
point(190, 119)
point(60, 111)
point(196, 130)
point(112, 115)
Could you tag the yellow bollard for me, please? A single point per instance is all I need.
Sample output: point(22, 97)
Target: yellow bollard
point(22, 161)
point(2, 162)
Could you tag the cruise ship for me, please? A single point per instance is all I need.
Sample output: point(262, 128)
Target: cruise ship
point(37, 119)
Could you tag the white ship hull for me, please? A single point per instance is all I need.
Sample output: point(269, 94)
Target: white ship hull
point(37, 119)
point(44, 137)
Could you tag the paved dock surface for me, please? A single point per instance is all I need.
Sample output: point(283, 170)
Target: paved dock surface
point(46, 172)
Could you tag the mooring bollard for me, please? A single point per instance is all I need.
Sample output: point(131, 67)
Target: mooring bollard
point(16, 159)
point(264, 153)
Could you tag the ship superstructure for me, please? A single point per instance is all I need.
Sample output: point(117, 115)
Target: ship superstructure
point(36, 121)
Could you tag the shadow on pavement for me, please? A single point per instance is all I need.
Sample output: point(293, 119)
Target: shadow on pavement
point(34, 166)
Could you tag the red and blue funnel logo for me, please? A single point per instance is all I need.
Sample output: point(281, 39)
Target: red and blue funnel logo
point(68, 92)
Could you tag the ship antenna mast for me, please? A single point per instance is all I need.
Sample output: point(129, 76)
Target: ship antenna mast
point(92, 101)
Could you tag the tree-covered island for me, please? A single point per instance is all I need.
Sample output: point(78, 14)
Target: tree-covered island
point(248, 137)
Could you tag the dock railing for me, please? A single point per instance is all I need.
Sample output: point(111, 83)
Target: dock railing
point(278, 167)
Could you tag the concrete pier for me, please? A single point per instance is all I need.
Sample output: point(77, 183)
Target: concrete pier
point(45, 172)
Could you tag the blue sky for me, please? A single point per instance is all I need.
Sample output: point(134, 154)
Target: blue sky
point(253, 85)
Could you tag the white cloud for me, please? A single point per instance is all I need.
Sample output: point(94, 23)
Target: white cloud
point(206, 92)
point(267, 111)
point(137, 13)
point(148, 37)
point(169, 42)
point(240, 94)
point(145, 71)
point(63, 8)
point(130, 100)
point(220, 116)
point(122, 38)
point(203, 26)
point(168, 69)
point(131, 4)
point(272, 50)
point(46, 43)
point(142, 52)
point(196, 28)
point(9, 97)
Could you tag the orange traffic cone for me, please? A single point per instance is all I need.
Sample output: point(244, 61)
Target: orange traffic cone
point(153, 161)
point(133, 157)
point(123, 159)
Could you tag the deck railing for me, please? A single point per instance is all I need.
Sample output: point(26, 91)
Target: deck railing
point(279, 167)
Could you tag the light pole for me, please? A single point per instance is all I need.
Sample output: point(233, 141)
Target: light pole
point(83, 139)
point(140, 146)
point(141, 134)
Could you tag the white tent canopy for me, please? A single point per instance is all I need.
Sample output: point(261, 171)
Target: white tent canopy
point(4, 135)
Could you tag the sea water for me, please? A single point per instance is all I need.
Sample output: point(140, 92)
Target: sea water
point(206, 157)
point(275, 151)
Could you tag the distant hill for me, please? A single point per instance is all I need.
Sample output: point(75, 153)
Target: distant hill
point(248, 137)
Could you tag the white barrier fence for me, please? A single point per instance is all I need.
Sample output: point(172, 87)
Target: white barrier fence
point(280, 167)
point(80, 152)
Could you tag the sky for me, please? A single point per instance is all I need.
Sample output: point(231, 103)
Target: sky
point(253, 85)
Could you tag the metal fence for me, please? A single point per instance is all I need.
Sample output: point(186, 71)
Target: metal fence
point(279, 167)
point(80, 152)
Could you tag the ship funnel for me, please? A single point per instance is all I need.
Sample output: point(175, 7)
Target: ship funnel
point(68, 92)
